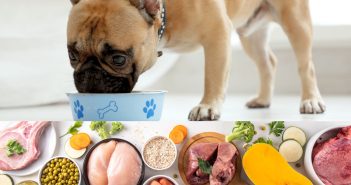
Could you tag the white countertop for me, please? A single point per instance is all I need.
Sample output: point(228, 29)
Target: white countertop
point(138, 132)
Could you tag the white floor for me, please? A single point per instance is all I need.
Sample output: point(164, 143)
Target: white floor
point(176, 108)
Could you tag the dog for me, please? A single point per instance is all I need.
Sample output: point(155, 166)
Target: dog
point(112, 42)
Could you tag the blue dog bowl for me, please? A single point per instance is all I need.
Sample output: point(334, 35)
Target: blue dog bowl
point(135, 106)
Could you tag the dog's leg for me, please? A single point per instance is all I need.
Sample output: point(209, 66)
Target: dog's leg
point(256, 46)
point(217, 69)
point(296, 22)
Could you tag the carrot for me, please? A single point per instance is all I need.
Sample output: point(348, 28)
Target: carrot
point(73, 145)
point(164, 181)
point(176, 136)
point(183, 129)
point(80, 141)
point(154, 182)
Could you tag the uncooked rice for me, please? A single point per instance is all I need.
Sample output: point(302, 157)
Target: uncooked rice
point(159, 153)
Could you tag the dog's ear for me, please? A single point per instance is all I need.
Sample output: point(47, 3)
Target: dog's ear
point(151, 7)
point(74, 2)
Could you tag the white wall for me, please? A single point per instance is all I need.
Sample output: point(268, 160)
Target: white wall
point(333, 66)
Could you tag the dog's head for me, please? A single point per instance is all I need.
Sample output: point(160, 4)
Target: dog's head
point(111, 42)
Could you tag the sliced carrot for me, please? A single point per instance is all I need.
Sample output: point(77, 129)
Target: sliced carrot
point(183, 129)
point(176, 136)
point(164, 181)
point(73, 145)
point(80, 141)
point(154, 182)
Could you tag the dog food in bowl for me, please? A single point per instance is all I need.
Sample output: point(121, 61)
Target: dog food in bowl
point(134, 106)
point(60, 170)
point(159, 153)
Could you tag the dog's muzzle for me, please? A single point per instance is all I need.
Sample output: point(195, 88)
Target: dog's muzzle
point(92, 78)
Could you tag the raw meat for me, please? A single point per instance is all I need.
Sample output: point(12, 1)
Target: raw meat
point(222, 157)
point(125, 166)
point(332, 159)
point(98, 163)
point(116, 163)
point(223, 169)
point(205, 151)
point(28, 135)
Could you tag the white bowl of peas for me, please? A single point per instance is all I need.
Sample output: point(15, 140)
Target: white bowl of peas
point(60, 171)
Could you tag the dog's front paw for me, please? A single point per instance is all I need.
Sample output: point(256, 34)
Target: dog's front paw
point(312, 106)
point(204, 112)
point(257, 103)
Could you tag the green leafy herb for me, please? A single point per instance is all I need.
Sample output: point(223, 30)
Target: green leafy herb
point(73, 129)
point(264, 140)
point(243, 131)
point(14, 147)
point(277, 128)
point(204, 166)
point(101, 127)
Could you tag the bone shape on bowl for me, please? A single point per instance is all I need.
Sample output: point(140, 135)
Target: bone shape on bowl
point(111, 107)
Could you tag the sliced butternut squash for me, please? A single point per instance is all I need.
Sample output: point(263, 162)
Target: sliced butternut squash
point(264, 165)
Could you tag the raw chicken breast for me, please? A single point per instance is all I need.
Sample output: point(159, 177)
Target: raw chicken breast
point(125, 166)
point(98, 163)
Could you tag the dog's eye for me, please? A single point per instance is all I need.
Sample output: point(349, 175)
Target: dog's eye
point(119, 60)
point(72, 56)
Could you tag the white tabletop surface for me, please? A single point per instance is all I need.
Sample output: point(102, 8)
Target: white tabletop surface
point(138, 132)
point(177, 107)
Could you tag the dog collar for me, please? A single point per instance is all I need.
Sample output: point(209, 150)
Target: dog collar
point(162, 29)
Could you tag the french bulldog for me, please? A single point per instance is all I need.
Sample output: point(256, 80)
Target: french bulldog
point(112, 42)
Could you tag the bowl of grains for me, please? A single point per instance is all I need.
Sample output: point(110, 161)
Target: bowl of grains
point(159, 153)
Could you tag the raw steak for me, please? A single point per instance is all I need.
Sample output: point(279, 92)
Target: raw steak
point(28, 135)
point(332, 159)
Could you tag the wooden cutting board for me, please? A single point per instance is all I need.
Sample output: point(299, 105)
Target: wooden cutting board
point(206, 137)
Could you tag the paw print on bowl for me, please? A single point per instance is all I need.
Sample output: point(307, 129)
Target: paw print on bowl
point(149, 109)
point(78, 109)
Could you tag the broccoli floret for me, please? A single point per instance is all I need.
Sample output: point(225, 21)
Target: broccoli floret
point(243, 131)
point(94, 125)
point(116, 127)
point(100, 128)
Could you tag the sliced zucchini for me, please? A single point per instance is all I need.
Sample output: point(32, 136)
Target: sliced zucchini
point(73, 153)
point(6, 180)
point(291, 150)
point(296, 134)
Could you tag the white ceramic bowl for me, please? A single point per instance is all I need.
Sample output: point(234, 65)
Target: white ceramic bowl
point(147, 182)
point(317, 138)
point(59, 157)
point(152, 138)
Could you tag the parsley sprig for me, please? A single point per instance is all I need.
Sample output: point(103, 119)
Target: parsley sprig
point(14, 147)
point(73, 129)
point(204, 166)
